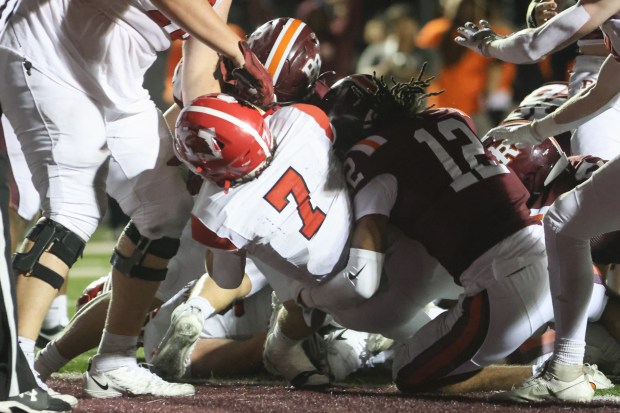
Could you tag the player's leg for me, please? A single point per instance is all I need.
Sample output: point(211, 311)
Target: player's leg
point(232, 343)
point(186, 321)
point(586, 211)
point(51, 122)
point(154, 196)
point(481, 329)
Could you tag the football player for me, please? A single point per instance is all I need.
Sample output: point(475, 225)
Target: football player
point(290, 51)
point(547, 173)
point(303, 238)
point(426, 172)
point(80, 110)
point(580, 214)
point(595, 137)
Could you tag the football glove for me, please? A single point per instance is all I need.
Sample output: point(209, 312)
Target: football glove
point(253, 82)
point(477, 38)
point(519, 134)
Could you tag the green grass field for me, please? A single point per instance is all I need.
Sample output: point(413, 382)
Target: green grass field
point(95, 263)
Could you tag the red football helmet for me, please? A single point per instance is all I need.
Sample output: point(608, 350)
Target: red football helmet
point(223, 139)
point(350, 105)
point(536, 166)
point(289, 50)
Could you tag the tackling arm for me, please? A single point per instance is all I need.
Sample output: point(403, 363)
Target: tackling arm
point(361, 277)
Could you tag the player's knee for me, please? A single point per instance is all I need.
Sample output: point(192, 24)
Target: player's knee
point(142, 257)
point(48, 236)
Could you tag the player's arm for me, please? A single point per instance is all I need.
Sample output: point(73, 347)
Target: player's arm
point(531, 45)
point(199, 63)
point(360, 279)
point(200, 20)
point(582, 107)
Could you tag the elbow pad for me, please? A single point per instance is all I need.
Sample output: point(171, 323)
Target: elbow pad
point(351, 286)
point(531, 45)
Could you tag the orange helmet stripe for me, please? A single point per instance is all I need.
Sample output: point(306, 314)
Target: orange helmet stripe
point(283, 44)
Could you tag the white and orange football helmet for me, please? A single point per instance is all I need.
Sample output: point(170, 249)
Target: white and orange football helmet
point(223, 139)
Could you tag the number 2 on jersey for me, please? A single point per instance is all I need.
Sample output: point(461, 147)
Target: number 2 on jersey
point(292, 183)
point(478, 170)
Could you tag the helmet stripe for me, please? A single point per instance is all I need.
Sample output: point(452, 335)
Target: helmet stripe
point(231, 119)
point(282, 46)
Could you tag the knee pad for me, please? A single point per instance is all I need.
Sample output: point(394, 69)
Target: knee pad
point(164, 248)
point(49, 236)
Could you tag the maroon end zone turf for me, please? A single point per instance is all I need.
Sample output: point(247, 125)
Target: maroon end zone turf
point(236, 397)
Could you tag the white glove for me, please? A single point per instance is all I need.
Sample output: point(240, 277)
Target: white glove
point(519, 134)
point(477, 38)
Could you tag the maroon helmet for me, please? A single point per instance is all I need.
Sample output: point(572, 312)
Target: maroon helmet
point(536, 166)
point(350, 105)
point(289, 50)
point(222, 139)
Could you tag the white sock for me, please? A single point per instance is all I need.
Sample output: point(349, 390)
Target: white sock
point(49, 361)
point(27, 347)
point(205, 306)
point(57, 313)
point(116, 343)
point(568, 351)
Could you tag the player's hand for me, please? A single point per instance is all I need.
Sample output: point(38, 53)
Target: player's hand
point(476, 38)
point(544, 11)
point(253, 82)
point(522, 134)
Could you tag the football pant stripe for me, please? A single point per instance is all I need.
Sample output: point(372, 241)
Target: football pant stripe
point(450, 351)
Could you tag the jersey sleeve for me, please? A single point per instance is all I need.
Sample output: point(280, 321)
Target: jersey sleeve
point(205, 236)
point(376, 197)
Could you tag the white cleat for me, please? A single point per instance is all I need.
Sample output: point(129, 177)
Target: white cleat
point(130, 381)
point(596, 377)
point(555, 382)
point(293, 364)
point(172, 358)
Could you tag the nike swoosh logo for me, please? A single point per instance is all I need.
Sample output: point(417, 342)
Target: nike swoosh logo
point(99, 384)
point(354, 276)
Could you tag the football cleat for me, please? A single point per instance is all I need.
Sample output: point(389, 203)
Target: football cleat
point(35, 400)
point(293, 364)
point(132, 380)
point(172, 357)
point(596, 377)
point(555, 382)
point(346, 352)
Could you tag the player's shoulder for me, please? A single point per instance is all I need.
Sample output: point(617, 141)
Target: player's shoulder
point(308, 112)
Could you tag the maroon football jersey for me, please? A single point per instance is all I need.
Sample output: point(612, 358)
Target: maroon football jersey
point(605, 247)
point(453, 196)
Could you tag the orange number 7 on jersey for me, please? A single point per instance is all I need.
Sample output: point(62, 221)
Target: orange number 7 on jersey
point(293, 183)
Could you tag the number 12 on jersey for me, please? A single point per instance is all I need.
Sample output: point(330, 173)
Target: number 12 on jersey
point(477, 170)
point(292, 183)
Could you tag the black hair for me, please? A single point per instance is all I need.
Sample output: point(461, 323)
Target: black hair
point(401, 100)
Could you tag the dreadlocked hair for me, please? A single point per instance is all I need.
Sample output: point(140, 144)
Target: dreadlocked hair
point(402, 100)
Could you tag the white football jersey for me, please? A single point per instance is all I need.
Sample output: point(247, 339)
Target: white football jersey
point(102, 48)
point(296, 216)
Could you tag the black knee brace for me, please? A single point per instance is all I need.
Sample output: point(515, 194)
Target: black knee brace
point(164, 247)
point(48, 236)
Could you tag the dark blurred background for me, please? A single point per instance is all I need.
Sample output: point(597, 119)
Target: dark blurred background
point(394, 38)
